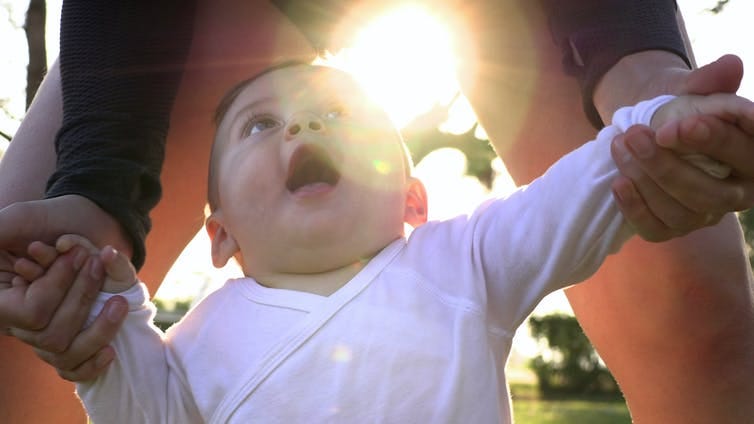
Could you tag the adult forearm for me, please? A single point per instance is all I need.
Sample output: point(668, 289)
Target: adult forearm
point(594, 35)
point(121, 66)
point(30, 158)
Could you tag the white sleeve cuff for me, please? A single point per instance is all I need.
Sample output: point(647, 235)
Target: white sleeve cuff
point(137, 297)
point(640, 114)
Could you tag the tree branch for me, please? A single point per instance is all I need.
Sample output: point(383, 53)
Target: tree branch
point(719, 6)
point(5, 136)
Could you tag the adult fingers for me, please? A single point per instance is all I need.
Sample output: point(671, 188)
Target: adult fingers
point(89, 353)
point(31, 306)
point(713, 137)
point(72, 313)
point(723, 75)
point(690, 186)
point(657, 200)
point(91, 368)
point(637, 213)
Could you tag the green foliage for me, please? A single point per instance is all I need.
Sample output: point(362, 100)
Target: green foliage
point(422, 137)
point(573, 366)
point(169, 312)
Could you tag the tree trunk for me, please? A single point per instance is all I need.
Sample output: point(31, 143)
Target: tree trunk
point(35, 37)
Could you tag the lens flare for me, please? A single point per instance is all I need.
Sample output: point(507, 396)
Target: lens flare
point(381, 166)
point(342, 353)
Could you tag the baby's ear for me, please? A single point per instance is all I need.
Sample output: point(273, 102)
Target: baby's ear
point(224, 246)
point(416, 203)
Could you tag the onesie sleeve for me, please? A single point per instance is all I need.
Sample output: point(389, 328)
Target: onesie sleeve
point(141, 385)
point(556, 231)
point(594, 34)
point(121, 64)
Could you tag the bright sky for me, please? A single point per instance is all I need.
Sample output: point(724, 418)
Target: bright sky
point(423, 79)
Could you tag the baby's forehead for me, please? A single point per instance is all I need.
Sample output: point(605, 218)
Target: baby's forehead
point(292, 82)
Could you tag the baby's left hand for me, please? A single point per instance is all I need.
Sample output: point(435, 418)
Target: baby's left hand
point(120, 274)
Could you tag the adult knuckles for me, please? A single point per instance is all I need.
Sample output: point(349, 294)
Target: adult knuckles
point(36, 316)
point(52, 341)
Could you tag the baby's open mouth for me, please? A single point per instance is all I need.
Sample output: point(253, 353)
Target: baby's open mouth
point(311, 164)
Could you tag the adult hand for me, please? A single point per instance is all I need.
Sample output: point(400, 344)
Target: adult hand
point(663, 196)
point(76, 354)
point(45, 220)
point(651, 170)
point(646, 74)
point(31, 306)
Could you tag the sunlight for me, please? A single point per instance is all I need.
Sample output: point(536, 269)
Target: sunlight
point(404, 59)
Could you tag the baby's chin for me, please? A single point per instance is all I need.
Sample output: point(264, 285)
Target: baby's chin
point(322, 278)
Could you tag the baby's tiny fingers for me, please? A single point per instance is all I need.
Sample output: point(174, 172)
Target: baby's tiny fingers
point(121, 274)
point(43, 253)
point(68, 241)
point(28, 270)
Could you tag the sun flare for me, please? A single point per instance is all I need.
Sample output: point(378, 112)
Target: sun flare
point(404, 59)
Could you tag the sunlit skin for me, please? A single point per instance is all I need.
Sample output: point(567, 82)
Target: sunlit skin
point(316, 237)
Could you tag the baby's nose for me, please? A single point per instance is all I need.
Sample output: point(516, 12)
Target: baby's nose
point(305, 122)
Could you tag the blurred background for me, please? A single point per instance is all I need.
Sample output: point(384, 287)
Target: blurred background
point(404, 58)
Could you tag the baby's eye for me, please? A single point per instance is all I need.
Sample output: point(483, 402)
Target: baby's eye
point(259, 124)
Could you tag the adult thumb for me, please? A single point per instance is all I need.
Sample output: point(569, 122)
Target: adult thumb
point(721, 76)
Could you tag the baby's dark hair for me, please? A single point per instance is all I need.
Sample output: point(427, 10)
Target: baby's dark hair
point(233, 93)
point(222, 110)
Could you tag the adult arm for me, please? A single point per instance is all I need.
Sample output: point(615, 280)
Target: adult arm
point(118, 86)
point(595, 35)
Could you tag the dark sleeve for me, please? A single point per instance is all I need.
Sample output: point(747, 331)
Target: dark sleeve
point(121, 63)
point(594, 34)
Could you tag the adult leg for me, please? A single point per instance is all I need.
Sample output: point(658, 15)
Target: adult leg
point(673, 321)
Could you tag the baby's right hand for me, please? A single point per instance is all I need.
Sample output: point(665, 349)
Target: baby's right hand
point(120, 274)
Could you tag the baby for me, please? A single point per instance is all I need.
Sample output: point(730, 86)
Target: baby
point(339, 316)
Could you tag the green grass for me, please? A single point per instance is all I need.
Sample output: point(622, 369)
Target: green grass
point(530, 408)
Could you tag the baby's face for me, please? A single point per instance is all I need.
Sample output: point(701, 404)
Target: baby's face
point(311, 174)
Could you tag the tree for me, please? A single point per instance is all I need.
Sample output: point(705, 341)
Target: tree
point(423, 137)
point(573, 366)
point(34, 26)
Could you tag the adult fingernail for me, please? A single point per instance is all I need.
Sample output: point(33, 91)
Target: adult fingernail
point(643, 147)
point(622, 153)
point(116, 311)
